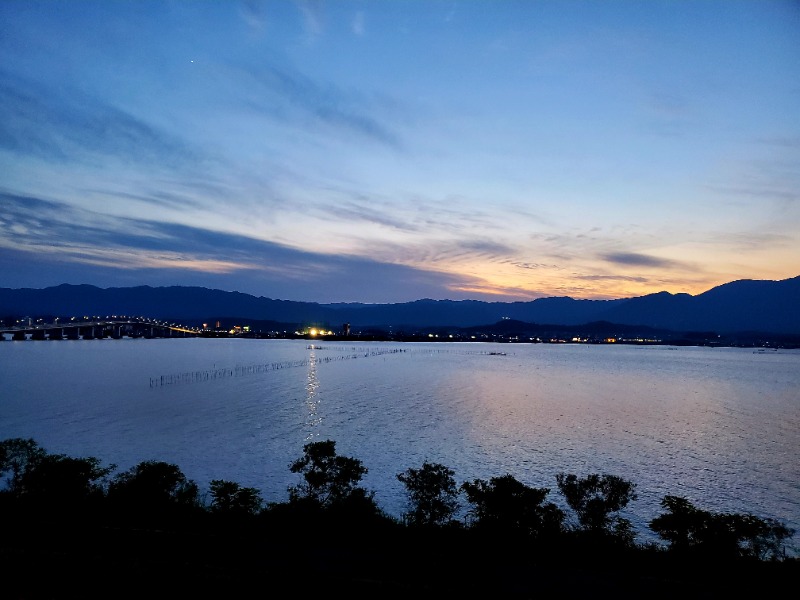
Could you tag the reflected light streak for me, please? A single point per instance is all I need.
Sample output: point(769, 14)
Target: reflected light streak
point(314, 419)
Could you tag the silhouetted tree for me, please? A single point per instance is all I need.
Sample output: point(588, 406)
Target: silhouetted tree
point(59, 480)
point(51, 482)
point(330, 480)
point(229, 498)
point(761, 538)
point(504, 504)
point(683, 525)
point(687, 528)
point(153, 490)
point(595, 499)
point(17, 455)
point(432, 494)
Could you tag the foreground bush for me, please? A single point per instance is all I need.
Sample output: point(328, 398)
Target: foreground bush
point(157, 494)
point(690, 530)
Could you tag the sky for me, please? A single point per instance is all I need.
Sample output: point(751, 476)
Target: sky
point(388, 151)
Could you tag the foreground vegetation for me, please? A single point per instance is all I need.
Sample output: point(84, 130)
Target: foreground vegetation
point(72, 526)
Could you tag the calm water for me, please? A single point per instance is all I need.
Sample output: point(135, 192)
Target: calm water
point(720, 426)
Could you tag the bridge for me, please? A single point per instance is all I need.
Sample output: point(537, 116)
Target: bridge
point(96, 330)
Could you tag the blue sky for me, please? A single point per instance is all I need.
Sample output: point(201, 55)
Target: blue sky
point(389, 151)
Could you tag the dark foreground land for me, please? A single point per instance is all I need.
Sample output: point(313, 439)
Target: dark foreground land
point(71, 528)
point(282, 556)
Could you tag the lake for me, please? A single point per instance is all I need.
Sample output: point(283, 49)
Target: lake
point(720, 426)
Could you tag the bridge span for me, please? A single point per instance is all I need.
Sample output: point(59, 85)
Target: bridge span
point(96, 330)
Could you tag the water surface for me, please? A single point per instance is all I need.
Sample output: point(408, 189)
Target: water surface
point(720, 426)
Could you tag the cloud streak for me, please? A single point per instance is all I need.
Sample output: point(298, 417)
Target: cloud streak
point(52, 233)
point(41, 121)
point(634, 259)
point(278, 92)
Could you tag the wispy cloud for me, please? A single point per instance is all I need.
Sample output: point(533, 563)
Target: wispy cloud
point(760, 192)
point(354, 212)
point(313, 17)
point(671, 114)
point(487, 249)
point(42, 121)
point(443, 254)
point(281, 92)
point(46, 232)
point(358, 24)
point(428, 219)
point(484, 291)
point(155, 198)
point(254, 14)
point(635, 259)
point(451, 13)
point(772, 174)
point(612, 278)
point(754, 240)
point(669, 104)
point(534, 266)
point(781, 141)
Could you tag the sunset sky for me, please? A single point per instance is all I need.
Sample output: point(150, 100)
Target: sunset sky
point(386, 151)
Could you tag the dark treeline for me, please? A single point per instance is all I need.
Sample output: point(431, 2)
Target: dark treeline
point(74, 527)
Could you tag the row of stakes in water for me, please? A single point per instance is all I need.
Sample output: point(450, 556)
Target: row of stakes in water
point(238, 371)
point(212, 374)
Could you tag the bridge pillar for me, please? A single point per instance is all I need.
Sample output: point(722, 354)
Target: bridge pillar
point(116, 331)
point(87, 333)
point(38, 334)
point(73, 333)
point(99, 332)
point(55, 334)
point(19, 336)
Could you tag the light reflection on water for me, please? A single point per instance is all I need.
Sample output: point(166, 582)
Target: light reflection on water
point(720, 426)
point(312, 397)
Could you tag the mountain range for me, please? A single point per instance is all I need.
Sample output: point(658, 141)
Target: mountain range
point(745, 305)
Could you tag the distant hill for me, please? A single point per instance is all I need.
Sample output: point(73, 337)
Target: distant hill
point(168, 303)
point(744, 305)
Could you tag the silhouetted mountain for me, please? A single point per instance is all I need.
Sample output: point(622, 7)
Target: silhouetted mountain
point(465, 313)
point(654, 310)
point(168, 303)
point(421, 313)
point(745, 305)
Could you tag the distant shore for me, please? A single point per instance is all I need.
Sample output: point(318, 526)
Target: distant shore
point(789, 342)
